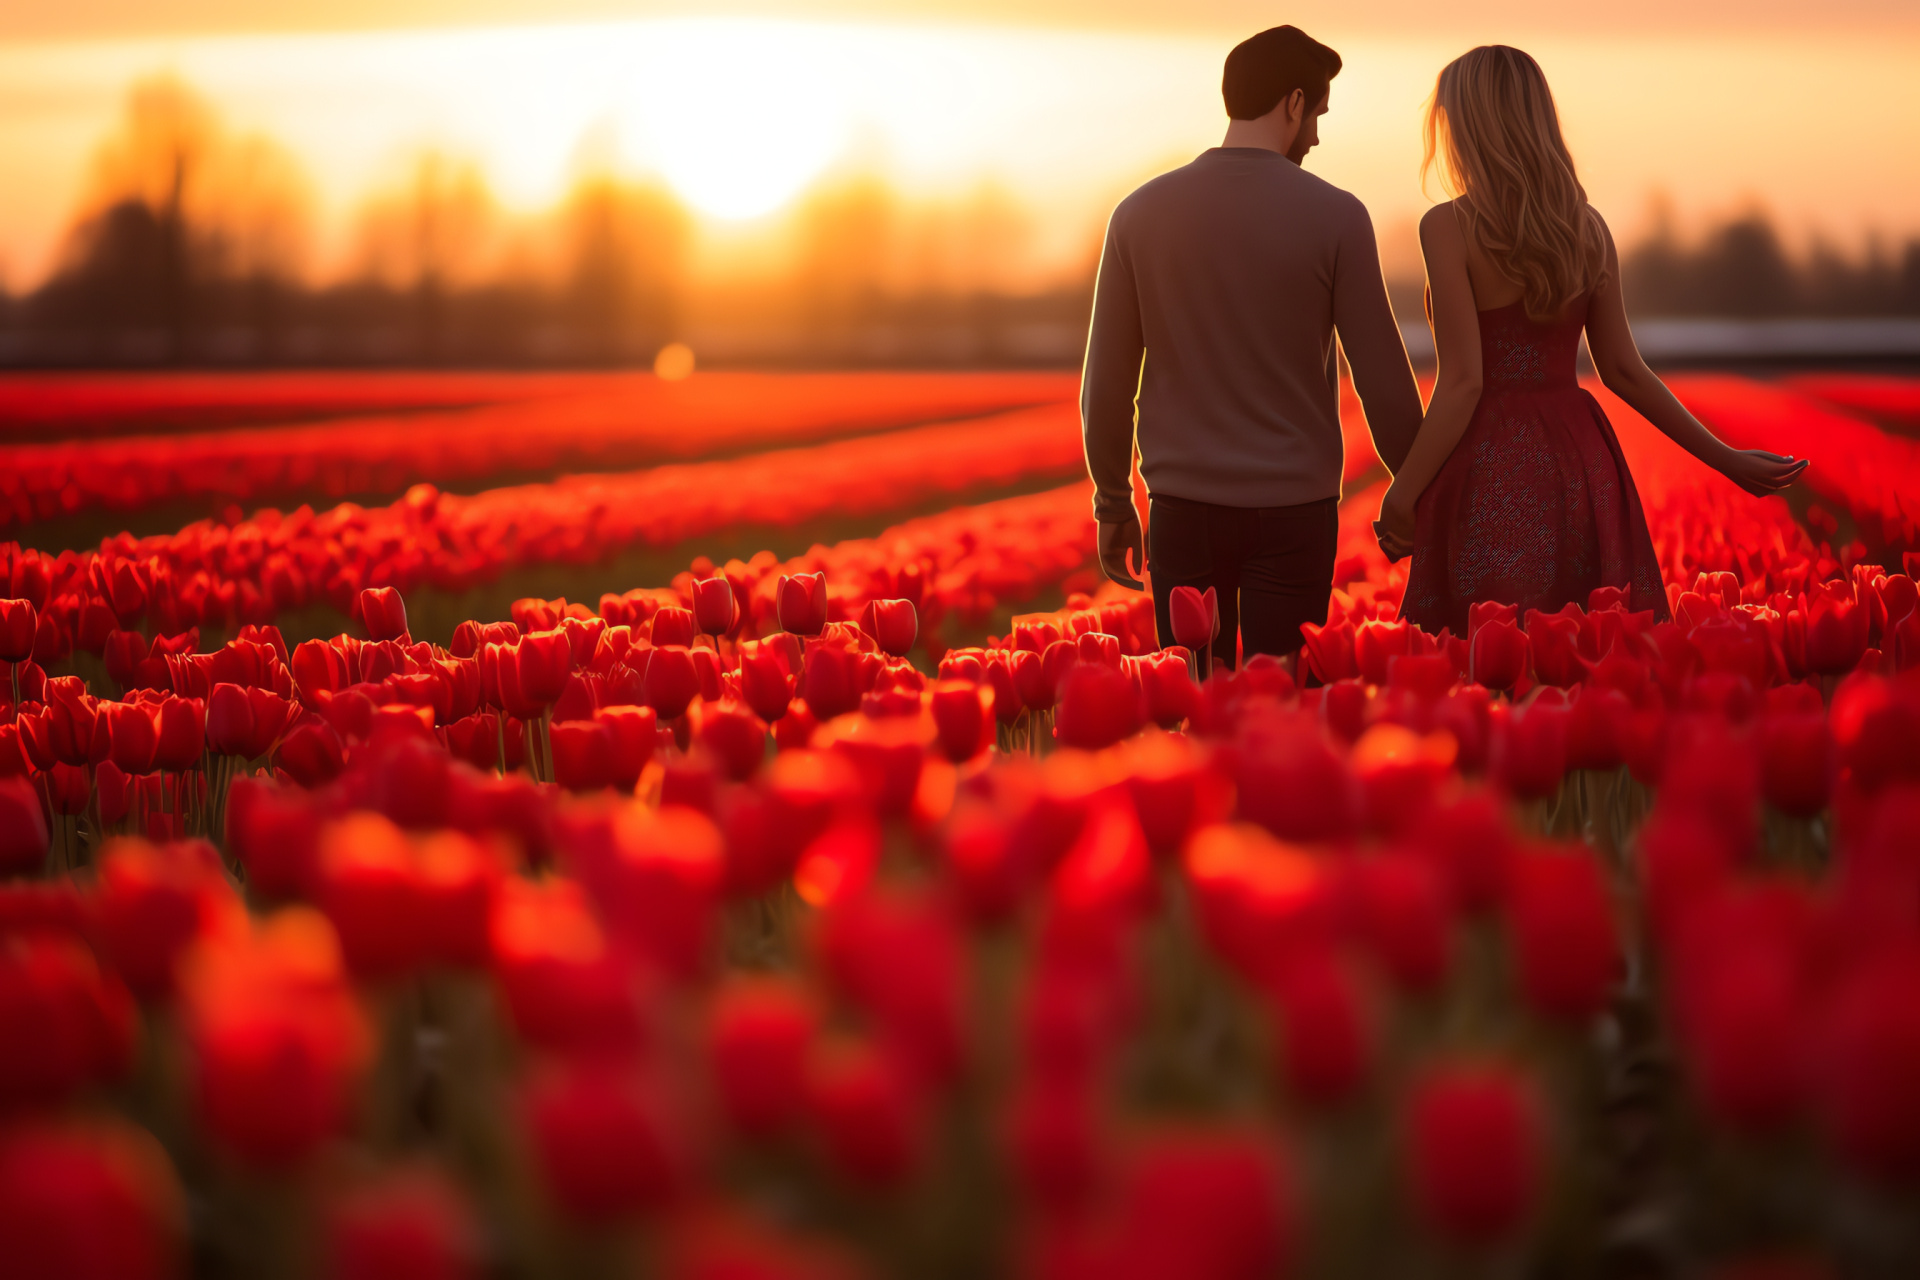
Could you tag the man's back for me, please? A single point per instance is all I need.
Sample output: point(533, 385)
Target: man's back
point(1231, 274)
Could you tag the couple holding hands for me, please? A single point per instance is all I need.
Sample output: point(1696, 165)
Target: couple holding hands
point(1222, 285)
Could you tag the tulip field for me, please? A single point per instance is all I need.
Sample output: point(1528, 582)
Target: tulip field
point(724, 830)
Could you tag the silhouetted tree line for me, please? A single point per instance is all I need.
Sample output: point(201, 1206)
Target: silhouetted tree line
point(191, 243)
point(190, 247)
point(1740, 268)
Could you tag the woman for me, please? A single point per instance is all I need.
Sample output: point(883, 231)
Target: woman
point(1515, 489)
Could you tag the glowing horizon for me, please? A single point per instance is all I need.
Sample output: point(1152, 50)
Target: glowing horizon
point(740, 116)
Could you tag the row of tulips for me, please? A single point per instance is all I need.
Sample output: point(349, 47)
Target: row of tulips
point(487, 428)
point(543, 954)
point(1885, 398)
point(490, 694)
point(632, 421)
point(1871, 473)
point(66, 406)
point(218, 576)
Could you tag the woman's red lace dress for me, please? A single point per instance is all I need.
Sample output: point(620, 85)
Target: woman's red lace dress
point(1535, 506)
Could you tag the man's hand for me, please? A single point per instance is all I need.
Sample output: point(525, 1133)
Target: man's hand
point(1116, 541)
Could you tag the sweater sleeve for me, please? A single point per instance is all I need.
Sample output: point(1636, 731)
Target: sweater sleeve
point(1110, 382)
point(1381, 374)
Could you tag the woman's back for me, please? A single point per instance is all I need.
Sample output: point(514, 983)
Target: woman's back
point(1516, 490)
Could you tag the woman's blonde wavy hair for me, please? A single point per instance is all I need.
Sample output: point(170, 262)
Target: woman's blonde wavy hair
point(1492, 122)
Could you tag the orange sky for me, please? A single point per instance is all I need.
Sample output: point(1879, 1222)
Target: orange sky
point(1063, 104)
point(96, 18)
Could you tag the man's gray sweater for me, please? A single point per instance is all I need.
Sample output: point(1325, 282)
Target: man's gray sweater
point(1221, 286)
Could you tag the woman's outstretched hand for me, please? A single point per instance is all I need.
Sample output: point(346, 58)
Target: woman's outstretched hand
point(1394, 528)
point(1761, 473)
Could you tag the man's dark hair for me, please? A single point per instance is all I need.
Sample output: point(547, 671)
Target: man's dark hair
point(1265, 68)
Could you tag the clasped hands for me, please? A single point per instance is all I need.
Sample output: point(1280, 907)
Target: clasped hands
point(1394, 528)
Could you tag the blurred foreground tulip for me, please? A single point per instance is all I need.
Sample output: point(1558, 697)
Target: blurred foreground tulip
point(1474, 1151)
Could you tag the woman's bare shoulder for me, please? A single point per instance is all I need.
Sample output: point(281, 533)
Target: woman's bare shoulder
point(1440, 226)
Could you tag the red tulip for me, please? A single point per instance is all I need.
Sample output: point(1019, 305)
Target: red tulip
point(831, 680)
point(1474, 1151)
point(87, 1201)
point(1329, 651)
point(1294, 784)
point(369, 888)
point(23, 828)
point(150, 906)
point(714, 610)
point(1376, 644)
point(384, 614)
point(706, 669)
point(582, 754)
point(997, 679)
point(180, 734)
point(893, 625)
point(1327, 1042)
point(1406, 918)
point(1171, 694)
point(1744, 1019)
point(534, 671)
point(866, 1113)
point(318, 668)
point(962, 718)
point(274, 833)
point(1039, 683)
point(1596, 728)
point(631, 742)
point(275, 1070)
point(1871, 1058)
point(1837, 629)
point(1100, 648)
point(19, 628)
point(1903, 641)
point(124, 587)
point(1796, 762)
point(733, 735)
point(311, 753)
point(69, 721)
point(1098, 707)
point(1563, 934)
point(402, 1226)
point(230, 728)
point(672, 626)
point(801, 603)
point(764, 682)
point(1497, 654)
point(1195, 616)
point(1553, 640)
point(604, 1144)
point(794, 731)
point(132, 736)
point(1530, 749)
point(1482, 612)
point(1216, 1203)
point(758, 1038)
point(470, 637)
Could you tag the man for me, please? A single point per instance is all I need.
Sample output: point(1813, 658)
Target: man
point(1221, 287)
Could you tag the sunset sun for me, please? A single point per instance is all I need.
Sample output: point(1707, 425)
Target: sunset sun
point(737, 117)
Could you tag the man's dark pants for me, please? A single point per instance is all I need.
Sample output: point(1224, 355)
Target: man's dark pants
point(1271, 568)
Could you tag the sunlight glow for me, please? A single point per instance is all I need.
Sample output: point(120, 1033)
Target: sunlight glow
point(739, 116)
point(742, 116)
